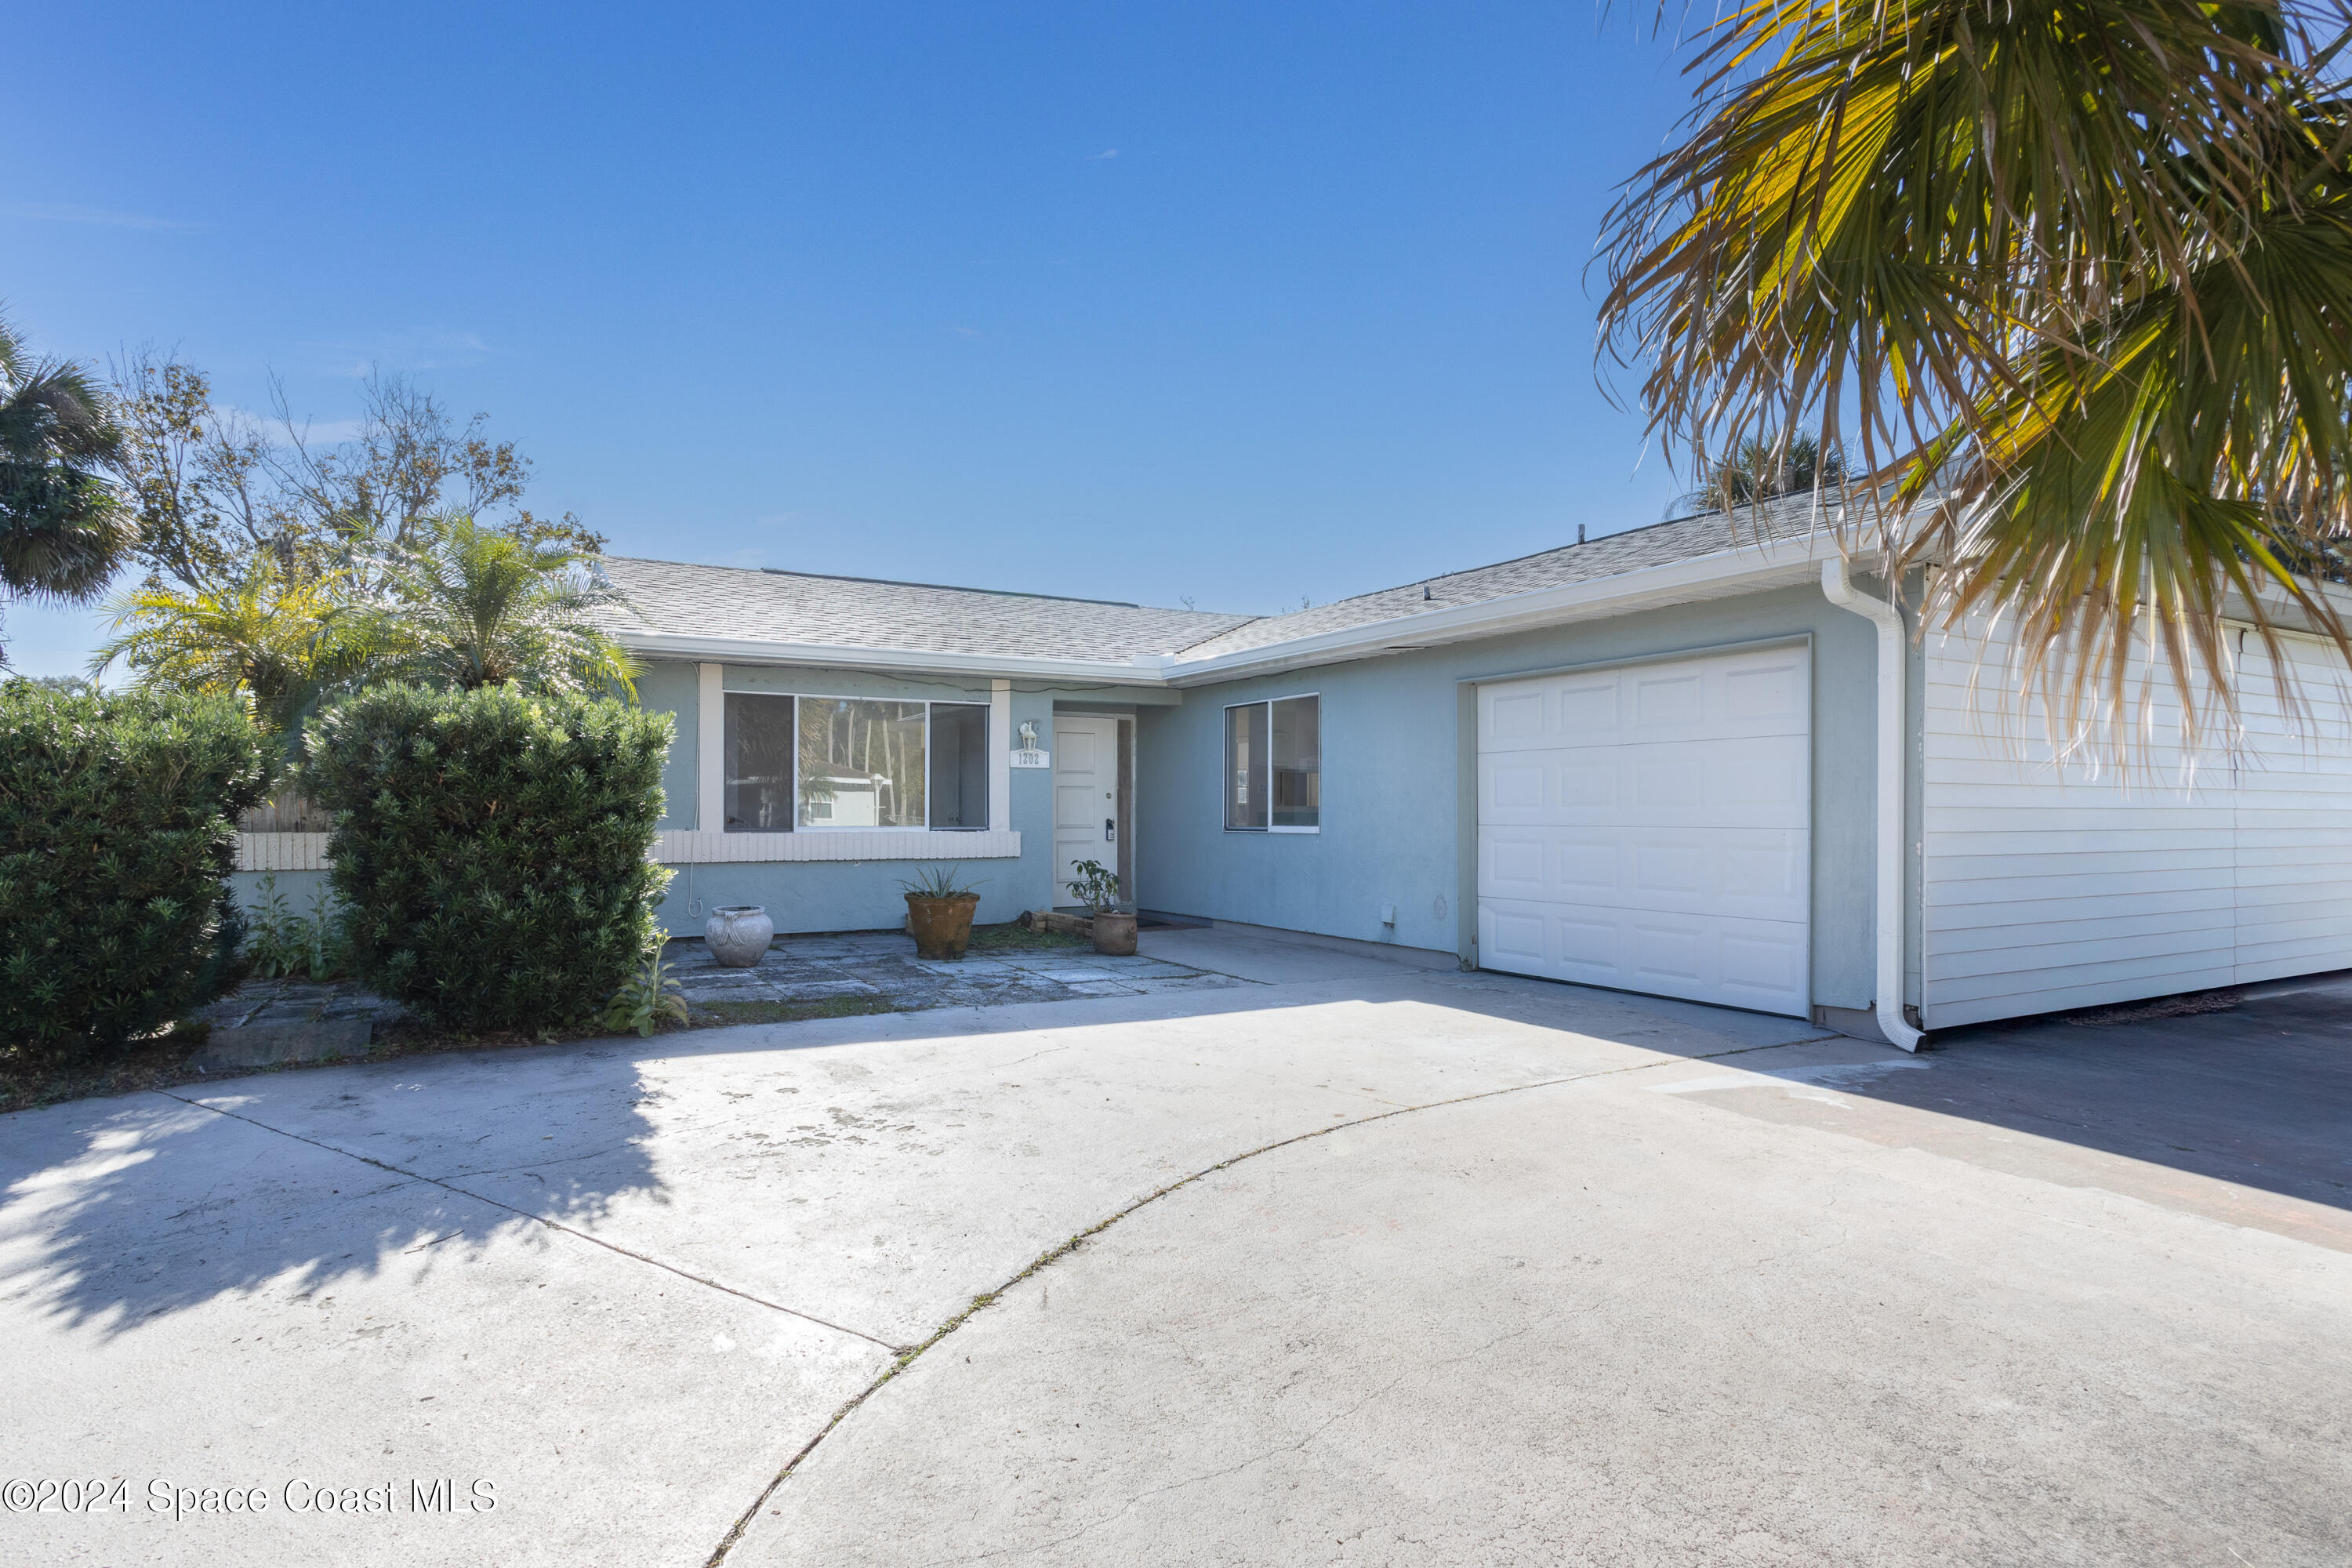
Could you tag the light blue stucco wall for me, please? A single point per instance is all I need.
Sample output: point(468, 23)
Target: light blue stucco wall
point(864, 895)
point(298, 888)
point(1394, 806)
point(669, 686)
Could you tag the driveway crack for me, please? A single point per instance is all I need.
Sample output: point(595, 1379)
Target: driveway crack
point(908, 1355)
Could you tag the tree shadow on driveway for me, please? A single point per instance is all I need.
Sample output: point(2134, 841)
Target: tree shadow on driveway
point(114, 1211)
point(288, 1184)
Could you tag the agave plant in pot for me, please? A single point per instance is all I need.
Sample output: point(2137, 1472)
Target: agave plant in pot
point(1099, 886)
point(939, 912)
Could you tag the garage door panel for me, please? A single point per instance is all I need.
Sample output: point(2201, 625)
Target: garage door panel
point(1763, 693)
point(1650, 828)
point(1705, 958)
point(1755, 874)
point(1758, 781)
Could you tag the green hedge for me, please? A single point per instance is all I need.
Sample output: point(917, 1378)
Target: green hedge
point(489, 847)
point(117, 836)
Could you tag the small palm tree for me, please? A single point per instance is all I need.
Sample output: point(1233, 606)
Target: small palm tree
point(474, 607)
point(1761, 468)
point(281, 645)
point(62, 533)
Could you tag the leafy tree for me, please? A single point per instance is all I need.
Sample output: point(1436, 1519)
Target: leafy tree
point(62, 533)
point(2076, 280)
point(213, 487)
point(469, 607)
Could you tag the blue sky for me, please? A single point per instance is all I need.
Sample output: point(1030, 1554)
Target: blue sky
point(1235, 303)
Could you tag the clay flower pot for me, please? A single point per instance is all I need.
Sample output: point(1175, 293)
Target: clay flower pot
point(941, 927)
point(1114, 933)
point(738, 935)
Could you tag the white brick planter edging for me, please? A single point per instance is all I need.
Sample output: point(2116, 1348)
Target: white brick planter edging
point(307, 851)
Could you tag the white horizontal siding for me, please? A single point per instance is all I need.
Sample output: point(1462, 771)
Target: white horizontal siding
point(2052, 884)
point(307, 851)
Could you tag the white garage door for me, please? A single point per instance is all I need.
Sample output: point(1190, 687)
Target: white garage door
point(1649, 827)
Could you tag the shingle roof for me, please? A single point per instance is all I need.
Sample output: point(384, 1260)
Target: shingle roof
point(801, 607)
point(1609, 556)
point(766, 604)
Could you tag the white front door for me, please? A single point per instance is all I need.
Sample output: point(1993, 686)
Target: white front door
point(1649, 827)
point(1085, 799)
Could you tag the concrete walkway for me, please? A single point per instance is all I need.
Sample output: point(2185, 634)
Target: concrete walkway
point(1442, 1268)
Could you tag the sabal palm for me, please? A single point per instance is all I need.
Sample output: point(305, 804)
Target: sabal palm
point(62, 533)
point(2077, 279)
point(475, 607)
point(279, 645)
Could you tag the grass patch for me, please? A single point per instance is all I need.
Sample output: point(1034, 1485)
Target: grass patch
point(726, 1015)
point(1011, 938)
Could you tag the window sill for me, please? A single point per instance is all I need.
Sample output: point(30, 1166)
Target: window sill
point(691, 849)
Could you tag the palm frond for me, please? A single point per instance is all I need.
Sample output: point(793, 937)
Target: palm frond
point(472, 606)
point(2069, 278)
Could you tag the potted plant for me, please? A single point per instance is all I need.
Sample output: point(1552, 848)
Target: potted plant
point(1099, 886)
point(939, 912)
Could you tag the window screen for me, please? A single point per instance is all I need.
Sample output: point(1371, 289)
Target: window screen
point(958, 765)
point(861, 763)
point(1245, 766)
point(759, 753)
point(1294, 751)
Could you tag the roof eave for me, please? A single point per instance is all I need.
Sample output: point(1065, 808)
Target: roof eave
point(898, 660)
point(1741, 569)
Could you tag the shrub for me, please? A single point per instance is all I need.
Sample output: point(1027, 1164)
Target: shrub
point(117, 836)
point(489, 848)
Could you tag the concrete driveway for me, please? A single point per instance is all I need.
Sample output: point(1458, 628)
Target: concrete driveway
point(1380, 1264)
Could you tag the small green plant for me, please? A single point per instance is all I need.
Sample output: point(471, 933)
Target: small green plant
point(941, 882)
point(1095, 884)
point(282, 944)
point(646, 997)
point(269, 924)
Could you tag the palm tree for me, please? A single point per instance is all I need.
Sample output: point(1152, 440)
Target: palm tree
point(474, 606)
point(2075, 281)
point(281, 644)
point(62, 533)
point(1761, 469)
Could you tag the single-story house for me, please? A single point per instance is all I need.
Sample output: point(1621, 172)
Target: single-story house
point(1703, 759)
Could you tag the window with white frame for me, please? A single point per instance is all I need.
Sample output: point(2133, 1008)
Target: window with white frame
point(1273, 765)
point(817, 762)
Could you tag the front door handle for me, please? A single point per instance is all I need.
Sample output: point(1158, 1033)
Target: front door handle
point(1111, 830)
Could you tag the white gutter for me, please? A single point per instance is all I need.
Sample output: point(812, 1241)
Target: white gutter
point(1838, 588)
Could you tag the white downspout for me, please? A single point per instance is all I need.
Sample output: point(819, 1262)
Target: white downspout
point(1839, 590)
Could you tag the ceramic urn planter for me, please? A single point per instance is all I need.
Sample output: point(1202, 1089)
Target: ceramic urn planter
point(738, 935)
